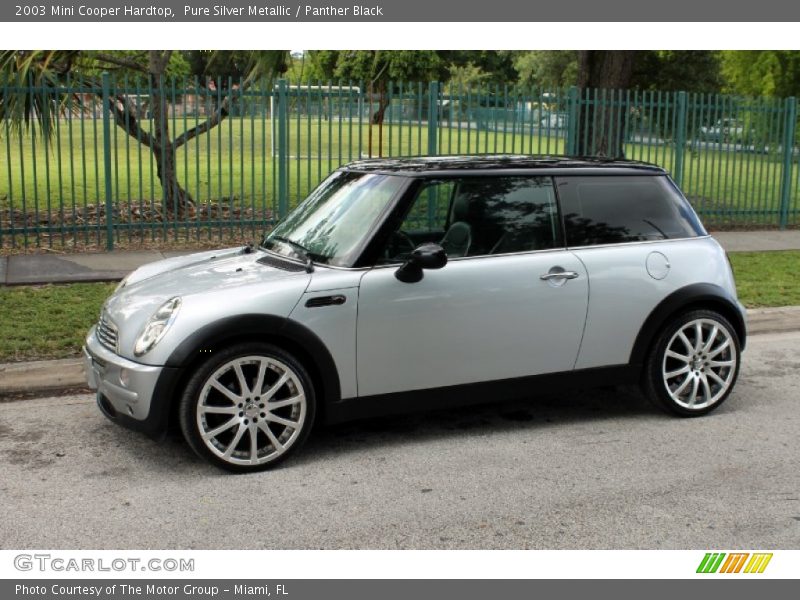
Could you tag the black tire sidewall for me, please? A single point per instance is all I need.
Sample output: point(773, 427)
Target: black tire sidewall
point(191, 396)
point(654, 386)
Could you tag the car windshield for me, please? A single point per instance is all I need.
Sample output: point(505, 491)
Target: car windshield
point(330, 225)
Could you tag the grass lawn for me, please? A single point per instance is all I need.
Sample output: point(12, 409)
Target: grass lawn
point(51, 321)
point(48, 321)
point(767, 278)
point(235, 161)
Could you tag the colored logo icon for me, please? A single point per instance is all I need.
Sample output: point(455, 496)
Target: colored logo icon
point(734, 562)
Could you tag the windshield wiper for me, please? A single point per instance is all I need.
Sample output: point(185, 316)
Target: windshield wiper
point(304, 252)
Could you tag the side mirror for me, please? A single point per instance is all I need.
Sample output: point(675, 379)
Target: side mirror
point(424, 256)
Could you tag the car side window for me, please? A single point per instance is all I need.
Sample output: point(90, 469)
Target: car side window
point(619, 209)
point(478, 216)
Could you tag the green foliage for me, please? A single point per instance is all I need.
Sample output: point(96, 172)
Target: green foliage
point(373, 65)
point(497, 64)
point(468, 76)
point(677, 70)
point(547, 68)
point(220, 65)
point(321, 64)
point(298, 67)
point(762, 72)
point(231, 66)
point(42, 69)
point(397, 65)
point(669, 70)
point(130, 65)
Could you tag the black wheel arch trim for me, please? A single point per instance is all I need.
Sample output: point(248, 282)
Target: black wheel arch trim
point(202, 343)
point(205, 340)
point(700, 295)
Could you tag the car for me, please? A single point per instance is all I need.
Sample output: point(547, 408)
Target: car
point(724, 130)
point(554, 121)
point(420, 283)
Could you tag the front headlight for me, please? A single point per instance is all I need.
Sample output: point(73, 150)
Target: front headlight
point(157, 326)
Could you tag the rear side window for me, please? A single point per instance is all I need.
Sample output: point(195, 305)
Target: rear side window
point(617, 209)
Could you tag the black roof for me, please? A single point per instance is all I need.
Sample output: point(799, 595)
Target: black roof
point(501, 162)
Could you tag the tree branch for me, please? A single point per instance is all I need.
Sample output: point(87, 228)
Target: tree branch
point(121, 61)
point(215, 119)
point(124, 117)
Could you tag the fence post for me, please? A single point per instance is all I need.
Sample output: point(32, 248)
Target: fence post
point(572, 121)
point(680, 138)
point(283, 150)
point(788, 153)
point(106, 86)
point(433, 118)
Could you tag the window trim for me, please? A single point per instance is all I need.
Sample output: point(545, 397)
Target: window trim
point(638, 242)
point(480, 256)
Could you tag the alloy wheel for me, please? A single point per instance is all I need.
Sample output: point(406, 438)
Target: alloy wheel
point(251, 410)
point(699, 364)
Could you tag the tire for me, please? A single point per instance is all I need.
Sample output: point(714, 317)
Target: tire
point(687, 376)
point(225, 412)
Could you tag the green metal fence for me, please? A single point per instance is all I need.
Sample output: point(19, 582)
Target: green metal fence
point(93, 181)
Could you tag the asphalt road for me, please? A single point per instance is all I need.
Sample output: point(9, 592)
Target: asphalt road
point(597, 469)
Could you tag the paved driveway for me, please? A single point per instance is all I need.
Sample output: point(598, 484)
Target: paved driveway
point(597, 469)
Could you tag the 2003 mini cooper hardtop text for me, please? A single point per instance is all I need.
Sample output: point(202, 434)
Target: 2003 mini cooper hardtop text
point(420, 283)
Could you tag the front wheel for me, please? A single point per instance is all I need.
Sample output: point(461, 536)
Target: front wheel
point(694, 364)
point(249, 408)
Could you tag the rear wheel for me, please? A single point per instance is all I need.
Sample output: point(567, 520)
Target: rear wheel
point(249, 408)
point(694, 364)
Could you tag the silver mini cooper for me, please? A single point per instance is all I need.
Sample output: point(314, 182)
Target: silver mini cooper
point(406, 284)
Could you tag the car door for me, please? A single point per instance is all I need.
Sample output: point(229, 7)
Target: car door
point(512, 305)
point(634, 234)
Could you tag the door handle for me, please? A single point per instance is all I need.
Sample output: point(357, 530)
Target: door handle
point(319, 301)
point(559, 275)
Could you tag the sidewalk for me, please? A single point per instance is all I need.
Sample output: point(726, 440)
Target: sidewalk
point(26, 269)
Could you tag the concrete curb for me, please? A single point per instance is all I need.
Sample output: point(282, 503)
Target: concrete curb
point(50, 375)
point(41, 375)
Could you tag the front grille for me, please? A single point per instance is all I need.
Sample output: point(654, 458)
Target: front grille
point(107, 332)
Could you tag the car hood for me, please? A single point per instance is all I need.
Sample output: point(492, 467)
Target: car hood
point(181, 262)
point(211, 285)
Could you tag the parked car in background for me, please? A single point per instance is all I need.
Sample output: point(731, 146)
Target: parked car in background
point(554, 121)
point(724, 130)
point(420, 283)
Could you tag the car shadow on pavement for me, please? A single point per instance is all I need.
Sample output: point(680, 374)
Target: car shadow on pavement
point(541, 412)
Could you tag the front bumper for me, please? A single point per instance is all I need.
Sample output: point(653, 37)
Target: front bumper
point(127, 386)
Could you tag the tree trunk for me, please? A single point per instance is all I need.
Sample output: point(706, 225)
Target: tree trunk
point(601, 118)
point(383, 103)
point(177, 200)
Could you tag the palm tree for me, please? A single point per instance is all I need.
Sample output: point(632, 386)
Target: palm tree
point(34, 92)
